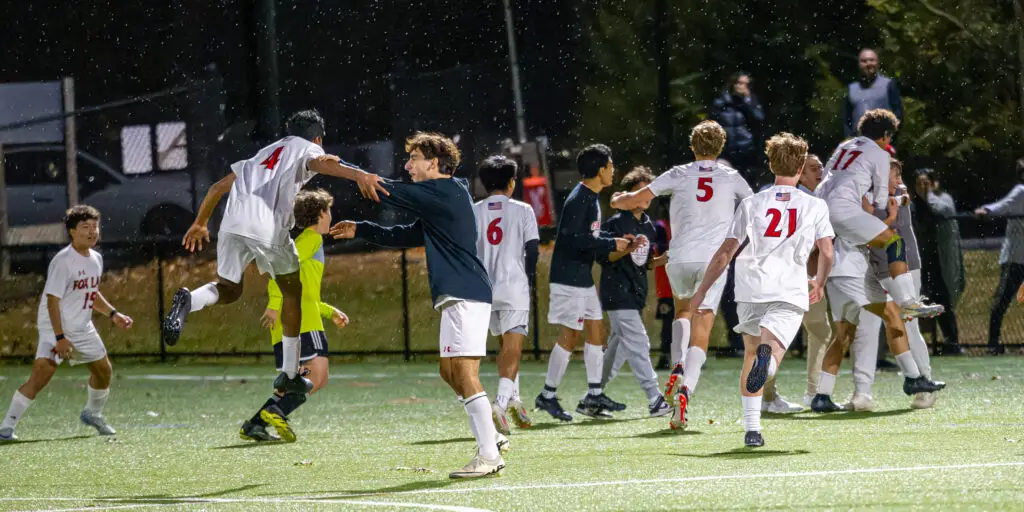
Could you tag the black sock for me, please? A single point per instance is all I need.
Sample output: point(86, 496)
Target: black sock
point(256, 420)
point(290, 402)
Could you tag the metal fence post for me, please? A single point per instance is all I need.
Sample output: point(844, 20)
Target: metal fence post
point(160, 301)
point(405, 308)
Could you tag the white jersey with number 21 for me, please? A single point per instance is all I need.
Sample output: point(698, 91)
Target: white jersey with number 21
point(503, 227)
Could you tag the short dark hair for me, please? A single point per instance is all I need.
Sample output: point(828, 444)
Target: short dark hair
point(639, 174)
point(592, 159)
point(496, 172)
point(735, 77)
point(80, 213)
point(309, 205)
point(435, 145)
point(308, 124)
point(878, 123)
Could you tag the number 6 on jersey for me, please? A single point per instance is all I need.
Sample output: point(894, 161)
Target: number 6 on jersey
point(494, 232)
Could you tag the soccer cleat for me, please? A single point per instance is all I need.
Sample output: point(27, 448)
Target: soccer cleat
point(823, 403)
point(675, 379)
point(921, 310)
point(924, 400)
point(174, 322)
point(479, 467)
point(98, 422)
point(780, 406)
point(921, 384)
point(7, 434)
point(273, 416)
point(298, 385)
point(589, 408)
point(519, 416)
point(552, 407)
point(807, 399)
point(753, 439)
point(659, 408)
point(759, 372)
point(859, 402)
point(502, 442)
point(254, 432)
point(608, 404)
point(500, 420)
point(678, 419)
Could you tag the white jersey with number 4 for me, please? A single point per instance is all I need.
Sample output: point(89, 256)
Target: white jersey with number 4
point(75, 280)
point(858, 167)
point(262, 197)
point(704, 198)
point(503, 227)
point(782, 224)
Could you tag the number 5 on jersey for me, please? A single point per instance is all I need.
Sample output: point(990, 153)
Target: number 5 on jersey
point(494, 232)
point(704, 189)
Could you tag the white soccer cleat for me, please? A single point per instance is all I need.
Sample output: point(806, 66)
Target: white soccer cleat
point(918, 309)
point(500, 419)
point(859, 402)
point(780, 406)
point(479, 467)
point(98, 422)
point(921, 401)
point(7, 434)
point(502, 442)
point(519, 416)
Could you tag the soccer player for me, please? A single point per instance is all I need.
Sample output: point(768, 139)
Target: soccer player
point(704, 198)
point(783, 225)
point(507, 244)
point(313, 214)
point(623, 293)
point(858, 167)
point(574, 303)
point(66, 332)
point(255, 227)
point(459, 286)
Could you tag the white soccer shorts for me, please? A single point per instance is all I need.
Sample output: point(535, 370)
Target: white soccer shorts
point(685, 278)
point(853, 224)
point(464, 328)
point(571, 305)
point(510, 321)
point(846, 297)
point(88, 347)
point(780, 318)
point(235, 252)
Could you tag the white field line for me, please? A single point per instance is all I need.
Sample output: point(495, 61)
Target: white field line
point(168, 502)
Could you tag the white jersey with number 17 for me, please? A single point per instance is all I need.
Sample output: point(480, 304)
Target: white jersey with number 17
point(262, 197)
point(704, 198)
point(858, 167)
point(503, 227)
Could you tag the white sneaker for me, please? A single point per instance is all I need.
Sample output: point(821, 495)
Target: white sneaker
point(921, 401)
point(98, 422)
point(479, 467)
point(502, 442)
point(519, 416)
point(500, 419)
point(859, 402)
point(917, 309)
point(7, 434)
point(780, 406)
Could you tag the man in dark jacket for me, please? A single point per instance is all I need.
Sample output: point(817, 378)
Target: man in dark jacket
point(740, 114)
point(873, 90)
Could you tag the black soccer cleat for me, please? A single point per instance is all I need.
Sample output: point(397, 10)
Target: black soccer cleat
point(603, 402)
point(552, 407)
point(921, 384)
point(823, 403)
point(753, 439)
point(759, 372)
point(298, 385)
point(174, 322)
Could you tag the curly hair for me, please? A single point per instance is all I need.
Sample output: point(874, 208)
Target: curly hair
point(786, 154)
point(878, 123)
point(639, 174)
point(309, 205)
point(707, 139)
point(80, 213)
point(435, 145)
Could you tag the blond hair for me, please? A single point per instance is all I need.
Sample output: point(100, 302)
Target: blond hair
point(786, 154)
point(707, 139)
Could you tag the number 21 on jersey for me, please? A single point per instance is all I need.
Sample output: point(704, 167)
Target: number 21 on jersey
point(775, 217)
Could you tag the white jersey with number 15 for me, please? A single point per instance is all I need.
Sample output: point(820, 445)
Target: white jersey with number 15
point(503, 227)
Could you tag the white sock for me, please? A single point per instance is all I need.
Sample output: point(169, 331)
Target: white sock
point(479, 412)
point(751, 413)
point(19, 403)
point(97, 399)
point(204, 296)
point(907, 365)
point(515, 388)
point(505, 389)
point(694, 361)
point(680, 338)
point(593, 359)
point(919, 348)
point(826, 383)
point(902, 289)
point(558, 361)
point(290, 355)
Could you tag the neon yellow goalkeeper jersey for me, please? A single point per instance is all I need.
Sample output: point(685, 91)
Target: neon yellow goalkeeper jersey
point(310, 245)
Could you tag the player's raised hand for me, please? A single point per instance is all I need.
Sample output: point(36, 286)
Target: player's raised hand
point(269, 318)
point(194, 238)
point(893, 207)
point(339, 318)
point(370, 185)
point(817, 291)
point(123, 321)
point(343, 229)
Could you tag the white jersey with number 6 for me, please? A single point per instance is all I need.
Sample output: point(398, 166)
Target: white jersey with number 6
point(858, 167)
point(75, 280)
point(262, 197)
point(704, 198)
point(503, 227)
point(782, 224)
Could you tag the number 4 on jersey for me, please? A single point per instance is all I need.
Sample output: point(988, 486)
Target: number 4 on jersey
point(272, 160)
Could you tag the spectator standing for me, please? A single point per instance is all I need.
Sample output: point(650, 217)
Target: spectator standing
point(942, 259)
point(740, 114)
point(1011, 257)
point(872, 90)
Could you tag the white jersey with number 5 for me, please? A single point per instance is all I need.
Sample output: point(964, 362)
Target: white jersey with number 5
point(857, 167)
point(782, 224)
point(262, 197)
point(75, 280)
point(704, 198)
point(503, 227)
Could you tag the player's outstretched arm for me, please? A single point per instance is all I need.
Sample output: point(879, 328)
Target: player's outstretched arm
point(103, 306)
point(631, 200)
point(370, 185)
point(719, 262)
point(329, 312)
point(199, 232)
point(398, 237)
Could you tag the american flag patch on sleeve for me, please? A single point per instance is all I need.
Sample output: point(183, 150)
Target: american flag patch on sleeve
point(494, 206)
point(782, 196)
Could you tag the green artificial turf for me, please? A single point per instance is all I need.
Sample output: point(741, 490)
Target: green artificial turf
point(383, 436)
